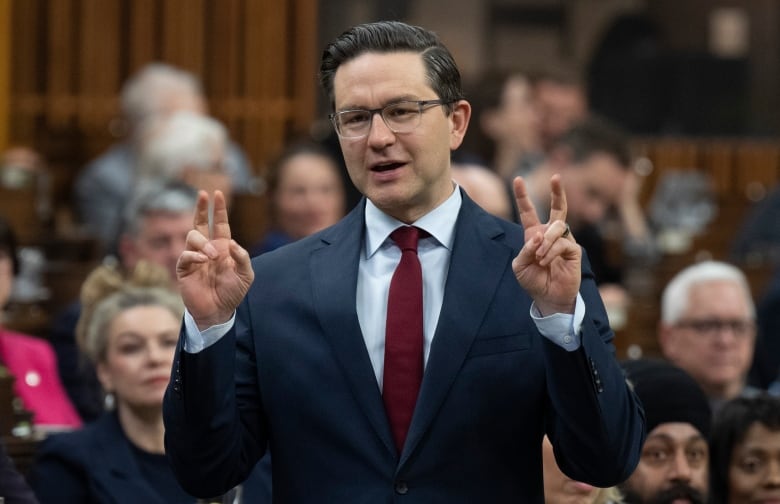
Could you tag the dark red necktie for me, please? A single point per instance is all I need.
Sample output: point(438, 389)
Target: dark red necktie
point(404, 335)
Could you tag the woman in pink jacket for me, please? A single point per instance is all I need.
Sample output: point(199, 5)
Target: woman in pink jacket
point(30, 360)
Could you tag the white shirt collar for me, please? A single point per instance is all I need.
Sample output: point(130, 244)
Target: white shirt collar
point(439, 223)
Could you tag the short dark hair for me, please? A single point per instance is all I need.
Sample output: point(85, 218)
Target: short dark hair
point(729, 427)
point(595, 135)
point(8, 244)
point(392, 36)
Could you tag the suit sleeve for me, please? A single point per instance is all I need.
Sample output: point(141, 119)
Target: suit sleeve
point(595, 422)
point(214, 428)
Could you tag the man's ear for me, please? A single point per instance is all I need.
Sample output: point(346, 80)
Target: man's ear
point(459, 122)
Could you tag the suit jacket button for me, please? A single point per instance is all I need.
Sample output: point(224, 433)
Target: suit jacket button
point(401, 487)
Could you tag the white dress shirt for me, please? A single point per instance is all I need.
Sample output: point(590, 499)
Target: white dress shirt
point(378, 261)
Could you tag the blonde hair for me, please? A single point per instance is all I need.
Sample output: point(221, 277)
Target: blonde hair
point(107, 292)
point(609, 495)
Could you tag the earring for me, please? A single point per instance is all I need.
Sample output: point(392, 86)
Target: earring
point(109, 402)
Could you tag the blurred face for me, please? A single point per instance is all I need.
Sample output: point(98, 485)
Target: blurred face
point(754, 472)
point(310, 195)
point(215, 178)
point(405, 175)
point(560, 489)
point(559, 106)
point(6, 277)
point(160, 240)
point(517, 120)
point(209, 181)
point(714, 338)
point(139, 355)
point(592, 188)
point(673, 467)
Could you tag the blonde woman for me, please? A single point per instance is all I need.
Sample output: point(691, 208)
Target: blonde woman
point(129, 329)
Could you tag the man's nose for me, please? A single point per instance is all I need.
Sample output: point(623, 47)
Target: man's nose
point(773, 474)
point(680, 467)
point(379, 134)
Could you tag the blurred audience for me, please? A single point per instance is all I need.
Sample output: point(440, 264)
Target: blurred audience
point(155, 227)
point(104, 186)
point(129, 329)
point(561, 102)
point(30, 360)
point(595, 165)
point(187, 147)
point(13, 487)
point(306, 194)
point(765, 372)
point(708, 328)
point(505, 127)
point(485, 188)
point(757, 239)
point(745, 451)
point(560, 489)
point(674, 465)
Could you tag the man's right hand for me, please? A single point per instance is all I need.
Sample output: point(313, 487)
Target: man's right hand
point(214, 272)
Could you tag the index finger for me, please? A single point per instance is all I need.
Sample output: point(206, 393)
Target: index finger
point(525, 207)
point(558, 206)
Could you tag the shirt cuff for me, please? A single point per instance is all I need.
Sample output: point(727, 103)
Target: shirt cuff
point(195, 340)
point(563, 329)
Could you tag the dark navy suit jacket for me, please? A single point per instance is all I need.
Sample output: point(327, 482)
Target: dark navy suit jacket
point(294, 372)
point(92, 465)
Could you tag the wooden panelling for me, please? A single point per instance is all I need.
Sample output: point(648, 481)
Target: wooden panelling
point(5, 69)
point(69, 58)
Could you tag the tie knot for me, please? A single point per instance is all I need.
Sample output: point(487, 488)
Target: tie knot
point(406, 237)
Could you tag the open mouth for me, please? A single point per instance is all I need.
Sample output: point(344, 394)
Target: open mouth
point(386, 167)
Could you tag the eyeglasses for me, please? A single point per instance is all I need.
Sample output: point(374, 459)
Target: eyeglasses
point(711, 327)
point(400, 117)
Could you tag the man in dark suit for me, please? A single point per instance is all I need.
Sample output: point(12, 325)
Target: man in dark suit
point(299, 350)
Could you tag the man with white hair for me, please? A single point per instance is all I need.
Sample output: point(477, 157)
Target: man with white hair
point(708, 328)
point(105, 184)
point(185, 147)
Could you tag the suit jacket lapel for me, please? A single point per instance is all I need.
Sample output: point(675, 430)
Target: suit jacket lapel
point(334, 270)
point(122, 475)
point(477, 264)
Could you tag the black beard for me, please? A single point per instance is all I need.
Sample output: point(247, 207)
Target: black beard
point(678, 491)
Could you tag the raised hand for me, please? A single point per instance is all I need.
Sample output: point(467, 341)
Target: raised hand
point(214, 273)
point(549, 265)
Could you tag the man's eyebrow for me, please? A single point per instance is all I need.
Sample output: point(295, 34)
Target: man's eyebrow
point(396, 99)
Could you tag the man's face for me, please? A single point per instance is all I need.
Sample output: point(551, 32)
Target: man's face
point(559, 106)
point(673, 467)
point(714, 339)
point(160, 240)
point(405, 175)
point(593, 186)
point(517, 119)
